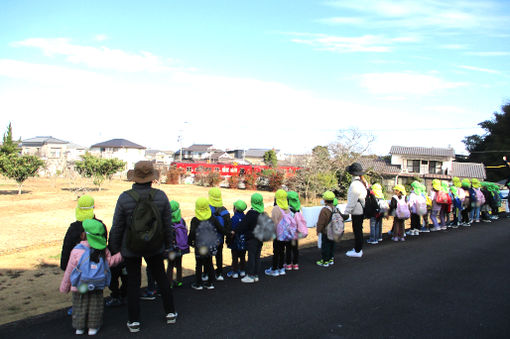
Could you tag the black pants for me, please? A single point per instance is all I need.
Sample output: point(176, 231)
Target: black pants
point(118, 292)
point(291, 252)
point(327, 248)
point(219, 259)
point(203, 263)
point(465, 215)
point(357, 229)
point(177, 263)
point(157, 269)
point(254, 248)
point(238, 260)
point(415, 221)
point(278, 254)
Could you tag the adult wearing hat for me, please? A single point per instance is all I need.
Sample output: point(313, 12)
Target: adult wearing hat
point(143, 175)
point(355, 203)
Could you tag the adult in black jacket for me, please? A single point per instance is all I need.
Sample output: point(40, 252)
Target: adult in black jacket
point(143, 175)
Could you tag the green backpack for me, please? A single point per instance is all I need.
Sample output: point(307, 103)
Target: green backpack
point(145, 227)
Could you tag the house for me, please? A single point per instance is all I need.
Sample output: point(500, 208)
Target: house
point(122, 149)
point(159, 157)
point(195, 152)
point(255, 156)
point(407, 164)
point(220, 157)
point(57, 154)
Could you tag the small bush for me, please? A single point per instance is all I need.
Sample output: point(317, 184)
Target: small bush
point(250, 181)
point(212, 179)
point(233, 181)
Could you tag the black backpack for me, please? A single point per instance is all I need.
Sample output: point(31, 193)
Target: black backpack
point(371, 208)
point(145, 226)
point(206, 239)
point(265, 229)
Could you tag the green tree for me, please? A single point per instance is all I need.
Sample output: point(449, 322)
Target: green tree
point(270, 158)
point(98, 169)
point(19, 167)
point(491, 147)
point(8, 145)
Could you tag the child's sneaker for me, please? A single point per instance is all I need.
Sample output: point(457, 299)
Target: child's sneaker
point(197, 287)
point(133, 326)
point(295, 267)
point(93, 331)
point(394, 239)
point(379, 240)
point(288, 267)
point(402, 239)
point(331, 262)
point(205, 277)
point(113, 302)
point(424, 230)
point(148, 295)
point(230, 274)
point(209, 286)
point(282, 271)
point(248, 280)
point(79, 332)
point(219, 277)
point(242, 274)
point(255, 278)
point(272, 273)
point(322, 263)
point(171, 318)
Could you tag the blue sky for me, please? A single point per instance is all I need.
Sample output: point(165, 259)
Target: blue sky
point(241, 74)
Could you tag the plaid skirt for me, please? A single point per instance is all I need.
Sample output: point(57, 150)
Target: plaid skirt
point(88, 309)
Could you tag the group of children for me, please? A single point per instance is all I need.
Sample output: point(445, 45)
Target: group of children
point(446, 205)
point(212, 226)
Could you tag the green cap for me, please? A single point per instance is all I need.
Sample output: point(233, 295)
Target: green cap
point(257, 202)
point(95, 233)
point(328, 196)
point(240, 205)
point(294, 202)
point(176, 212)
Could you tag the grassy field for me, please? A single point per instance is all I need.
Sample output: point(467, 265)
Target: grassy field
point(32, 227)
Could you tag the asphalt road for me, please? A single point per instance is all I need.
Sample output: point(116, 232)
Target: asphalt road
point(448, 284)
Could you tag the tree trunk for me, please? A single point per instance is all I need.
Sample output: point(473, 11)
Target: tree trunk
point(20, 186)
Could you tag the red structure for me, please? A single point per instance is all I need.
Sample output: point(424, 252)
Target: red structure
point(226, 170)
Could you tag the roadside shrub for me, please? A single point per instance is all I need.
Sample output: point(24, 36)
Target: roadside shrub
point(233, 181)
point(250, 181)
point(212, 179)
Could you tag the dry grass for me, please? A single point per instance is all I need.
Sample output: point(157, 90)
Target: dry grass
point(32, 227)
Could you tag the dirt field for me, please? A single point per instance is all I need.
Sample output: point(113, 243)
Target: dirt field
point(32, 227)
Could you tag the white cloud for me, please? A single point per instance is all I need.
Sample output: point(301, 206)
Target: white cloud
point(341, 44)
point(489, 54)
point(453, 46)
point(98, 57)
point(478, 69)
point(342, 20)
point(101, 37)
point(397, 84)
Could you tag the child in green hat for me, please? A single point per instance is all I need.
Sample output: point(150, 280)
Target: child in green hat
point(88, 302)
point(237, 242)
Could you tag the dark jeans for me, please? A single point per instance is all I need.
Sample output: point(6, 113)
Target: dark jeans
point(118, 292)
point(327, 248)
point(254, 248)
point(278, 254)
point(205, 263)
point(238, 260)
point(465, 215)
point(357, 229)
point(157, 268)
point(219, 259)
point(291, 252)
point(177, 263)
point(415, 221)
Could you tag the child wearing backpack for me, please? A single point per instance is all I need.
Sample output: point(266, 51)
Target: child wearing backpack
point(466, 205)
point(480, 200)
point(253, 227)
point(237, 242)
point(376, 219)
point(203, 237)
point(323, 223)
point(400, 211)
point(86, 275)
point(181, 245)
point(285, 231)
point(418, 205)
point(437, 207)
point(292, 247)
point(224, 229)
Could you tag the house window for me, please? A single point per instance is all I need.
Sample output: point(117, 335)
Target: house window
point(435, 167)
point(424, 162)
point(413, 166)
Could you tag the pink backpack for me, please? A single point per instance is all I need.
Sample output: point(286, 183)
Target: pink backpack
point(302, 228)
point(421, 205)
point(402, 211)
point(480, 197)
point(286, 229)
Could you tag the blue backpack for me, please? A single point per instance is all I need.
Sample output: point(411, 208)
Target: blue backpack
point(88, 275)
point(220, 217)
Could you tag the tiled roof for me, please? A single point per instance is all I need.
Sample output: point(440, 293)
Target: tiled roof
point(118, 143)
point(258, 152)
point(40, 141)
point(468, 170)
point(427, 151)
point(199, 148)
point(379, 166)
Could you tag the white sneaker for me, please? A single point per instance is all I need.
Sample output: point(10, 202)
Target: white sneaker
point(79, 332)
point(282, 271)
point(134, 326)
point(93, 331)
point(219, 277)
point(256, 278)
point(352, 253)
point(171, 318)
point(247, 280)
